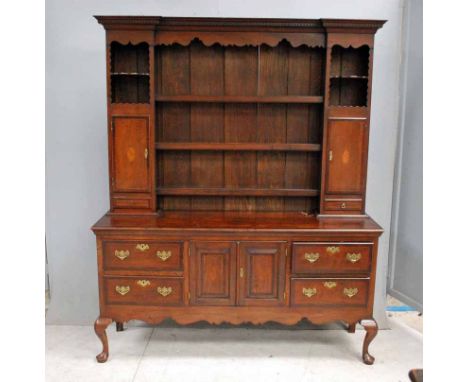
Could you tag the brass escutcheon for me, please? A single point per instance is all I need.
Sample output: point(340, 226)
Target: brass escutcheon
point(164, 291)
point(121, 289)
point(164, 255)
point(143, 283)
point(350, 292)
point(309, 292)
point(353, 257)
point(329, 284)
point(333, 250)
point(142, 247)
point(312, 257)
point(122, 254)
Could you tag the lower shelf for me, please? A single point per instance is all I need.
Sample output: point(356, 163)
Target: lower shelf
point(188, 191)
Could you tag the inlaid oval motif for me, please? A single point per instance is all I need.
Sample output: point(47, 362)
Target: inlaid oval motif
point(345, 157)
point(131, 154)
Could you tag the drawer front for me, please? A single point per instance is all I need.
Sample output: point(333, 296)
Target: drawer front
point(143, 255)
point(343, 205)
point(144, 290)
point(336, 292)
point(316, 258)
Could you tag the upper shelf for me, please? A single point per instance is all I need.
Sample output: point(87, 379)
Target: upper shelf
point(239, 99)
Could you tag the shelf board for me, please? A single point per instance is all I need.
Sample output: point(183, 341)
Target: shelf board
point(129, 74)
point(205, 146)
point(239, 99)
point(199, 191)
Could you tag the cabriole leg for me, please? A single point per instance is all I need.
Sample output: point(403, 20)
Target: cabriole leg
point(100, 328)
point(352, 327)
point(119, 326)
point(371, 331)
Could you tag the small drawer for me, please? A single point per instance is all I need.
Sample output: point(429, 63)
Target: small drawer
point(143, 255)
point(319, 258)
point(144, 290)
point(338, 292)
point(343, 205)
point(131, 203)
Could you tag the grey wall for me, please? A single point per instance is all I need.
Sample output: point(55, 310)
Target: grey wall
point(76, 146)
point(405, 280)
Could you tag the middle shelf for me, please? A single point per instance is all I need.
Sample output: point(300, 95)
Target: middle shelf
point(207, 146)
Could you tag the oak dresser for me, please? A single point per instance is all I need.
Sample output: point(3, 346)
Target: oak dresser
point(237, 173)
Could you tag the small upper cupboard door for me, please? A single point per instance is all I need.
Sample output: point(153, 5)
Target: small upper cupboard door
point(130, 154)
point(346, 156)
point(213, 273)
point(262, 273)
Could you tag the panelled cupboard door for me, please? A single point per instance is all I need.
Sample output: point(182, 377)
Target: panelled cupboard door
point(130, 164)
point(262, 273)
point(346, 156)
point(213, 273)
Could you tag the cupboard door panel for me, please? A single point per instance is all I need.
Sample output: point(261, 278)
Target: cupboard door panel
point(261, 273)
point(130, 154)
point(346, 156)
point(213, 273)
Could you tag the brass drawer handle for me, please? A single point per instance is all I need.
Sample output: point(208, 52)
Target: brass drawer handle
point(122, 255)
point(121, 289)
point(350, 292)
point(143, 283)
point(142, 247)
point(164, 255)
point(343, 205)
point(329, 284)
point(333, 250)
point(312, 257)
point(309, 292)
point(164, 291)
point(353, 257)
